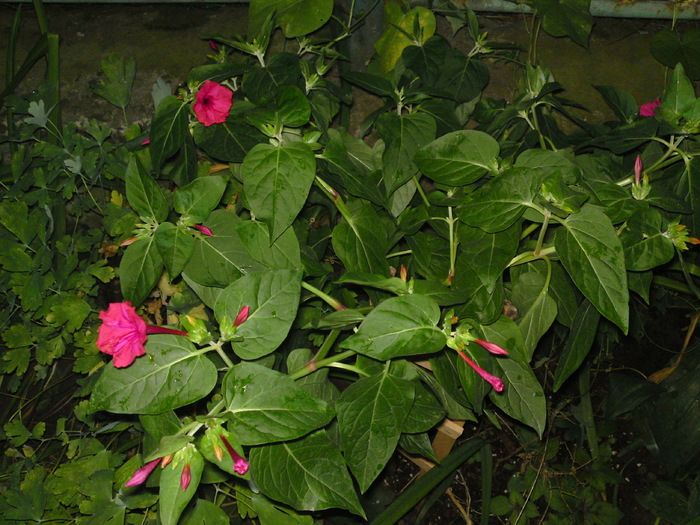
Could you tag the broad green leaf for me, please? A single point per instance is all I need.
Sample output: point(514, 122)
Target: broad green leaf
point(268, 406)
point(359, 243)
point(116, 88)
point(418, 445)
point(139, 270)
point(262, 85)
point(592, 254)
point(398, 327)
point(273, 298)
point(444, 114)
point(270, 513)
point(70, 311)
point(640, 283)
point(17, 335)
point(307, 474)
point(536, 309)
point(488, 254)
point(390, 284)
point(171, 375)
point(294, 17)
point(670, 47)
point(622, 103)
point(570, 18)
point(500, 202)
point(277, 180)
point(689, 186)
point(292, 108)
point(403, 136)
point(371, 414)
point(372, 83)
point(14, 258)
point(221, 259)
point(462, 78)
point(431, 255)
point(617, 201)
point(175, 245)
point(578, 344)
point(425, 413)
point(173, 499)
point(627, 137)
point(394, 40)
point(143, 193)
point(13, 216)
point(458, 158)
point(205, 513)
point(679, 92)
point(426, 60)
point(284, 253)
point(230, 141)
point(478, 303)
point(645, 241)
point(522, 398)
point(168, 129)
point(198, 198)
point(506, 334)
point(455, 409)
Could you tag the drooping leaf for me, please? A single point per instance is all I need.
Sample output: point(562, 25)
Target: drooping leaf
point(536, 309)
point(371, 413)
point(168, 129)
point(120, 73)
point(139, 270)
point(307, 474)
point(294, 17)
point(143, 193)
point(198, 198)
point(570, 18)
point(592, 254)
point(268, 406)
point(175, 245)
point(578, 344)
point(645, 241)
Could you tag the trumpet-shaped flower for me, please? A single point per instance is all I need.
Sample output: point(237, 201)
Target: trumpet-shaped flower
point(494, 381)
point(142, 474)
point(491, 347)
point(123, 333)
point(212, 103)
point(240, 465)
point(649, 109)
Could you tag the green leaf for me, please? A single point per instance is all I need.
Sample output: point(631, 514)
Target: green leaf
point(670, 47)
point(458, 158)
point(168, 129)
point(175, 245)
point(205, 513)
point(268, 406)
point(13, 216)
point(283, 254)
point(359, 243)
point(371, 414)
point(570, 18)
point(292, 107)
point(398, 327)
point(425, 413)
point(230, 141)
point(277, 180)
point(369, 82)
point(536, 309)
point(500, 202)
point(622, 103)
point(173, 499)
point(418, 445)
point(488, 254)
point(578, 344)
point(271, 513)
point(273, 299)
point(139, 270)
point(172, 374)
point(592, 254)
point(523, 397)
point(143, 193)
point(679, 92)
point(403, 136)
point(198, 198)
point(16, 433)
point(13, 257)
point(70, 312)
point(120, 72)
point(307, 474)
point(645, 241)
point(17, 336)
point(223, 258)
point(689, 186)
point(294, 17)
point(477, 303)
point(390, 284)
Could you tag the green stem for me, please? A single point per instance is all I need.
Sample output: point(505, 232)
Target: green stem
point(527, 257)
point(453, 243)
point(543, 231)
point(194, 427)
point(421, 192)
point(333, 303)
point(312, 366)
point(527, 231)
point(584, 384)
point(326, 346)
point(218, 347)
point(350, 368)
point(399, 254)
point(334, 196)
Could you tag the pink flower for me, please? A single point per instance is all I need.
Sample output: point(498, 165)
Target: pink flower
point(242, 316)
point(240, 465)
point(142, 474)
point(185, 477)
point(491, 347)
point(638, 167)
point(123, 333)
point(213, 102)
point(204, 230)
point(146, 141)
point(649, 109)
point(494, 381)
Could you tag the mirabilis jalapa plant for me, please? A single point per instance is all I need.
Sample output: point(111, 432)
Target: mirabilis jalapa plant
point(385, 266)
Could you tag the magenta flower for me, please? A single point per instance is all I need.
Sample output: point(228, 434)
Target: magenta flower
point(204, 230)
point(146, 141)
point(123, 333)
point(242, 316)
point(142, 474)
point(240, 465)
point(185, 477)
point(213, 102)
point(491, 347)
point(649, 109)
point(494, 381)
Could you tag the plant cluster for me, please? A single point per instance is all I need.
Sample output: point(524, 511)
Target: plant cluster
point(297, 302)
